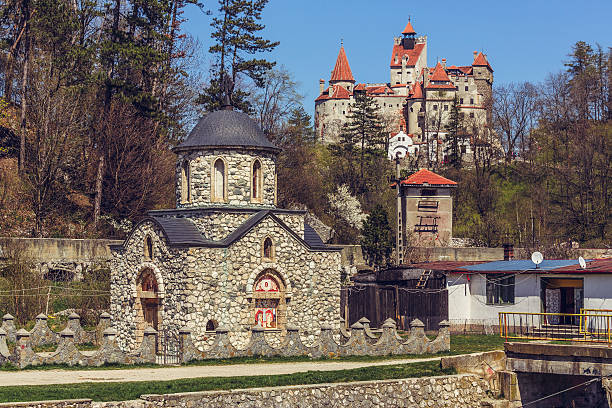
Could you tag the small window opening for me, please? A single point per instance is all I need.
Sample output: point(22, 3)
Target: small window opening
point(185, 182)
point(211, 325)
point(148, 249)
point(268, 249)
point(257, 185)
point(219, 180)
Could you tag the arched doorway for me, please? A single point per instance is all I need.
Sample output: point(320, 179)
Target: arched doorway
point(147, 303)
point(269, 302)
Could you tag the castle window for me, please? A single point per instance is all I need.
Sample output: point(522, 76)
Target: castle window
point(471, 101)
point(219, 182)
point(445, 107)
point(461, 101)
point(471, 114)
point(148, 248)
point(185, 182)
point(256, 184)
point(435, 107)
point(268, 249)
point(466, 88)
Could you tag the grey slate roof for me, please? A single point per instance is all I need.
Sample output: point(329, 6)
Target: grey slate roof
point(227, 128)
point(312, 238)
point(183, 232)
point(180, 231)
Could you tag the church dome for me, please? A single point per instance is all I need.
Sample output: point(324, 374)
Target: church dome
point(227, 128)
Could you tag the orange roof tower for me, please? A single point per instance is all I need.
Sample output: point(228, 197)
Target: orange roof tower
point(342, 70)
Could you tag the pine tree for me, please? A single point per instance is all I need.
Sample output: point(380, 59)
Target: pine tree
point(236, 39)
point(455, 136)
point(377, 237)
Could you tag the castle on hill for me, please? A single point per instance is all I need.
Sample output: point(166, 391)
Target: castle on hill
point(415, 104)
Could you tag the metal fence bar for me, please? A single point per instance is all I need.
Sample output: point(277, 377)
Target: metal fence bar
point(591, 325)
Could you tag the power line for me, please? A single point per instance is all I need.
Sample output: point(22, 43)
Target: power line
point(561, 392)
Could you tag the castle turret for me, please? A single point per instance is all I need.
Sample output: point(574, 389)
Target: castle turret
point(342, 75)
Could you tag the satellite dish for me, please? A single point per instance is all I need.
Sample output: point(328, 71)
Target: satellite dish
point(582, 262)
point(537, 258)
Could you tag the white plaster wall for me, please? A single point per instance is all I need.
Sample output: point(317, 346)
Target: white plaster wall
point(470, 304)
point(598, 291)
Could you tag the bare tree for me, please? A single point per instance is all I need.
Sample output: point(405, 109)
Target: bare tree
point(275, 101)
point(514, 115)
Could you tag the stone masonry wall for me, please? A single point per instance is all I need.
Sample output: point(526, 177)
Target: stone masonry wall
point(435, 392)
point(238, 165)
point(201, 284)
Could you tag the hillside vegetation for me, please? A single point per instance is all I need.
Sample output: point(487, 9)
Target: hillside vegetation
point(93, 96)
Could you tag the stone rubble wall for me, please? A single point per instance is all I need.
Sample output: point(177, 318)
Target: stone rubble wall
point(216, 284)
point(238, 168)
point(435, 392)
point(360, 342)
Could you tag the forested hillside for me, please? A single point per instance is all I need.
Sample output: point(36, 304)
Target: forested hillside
point(94, 94)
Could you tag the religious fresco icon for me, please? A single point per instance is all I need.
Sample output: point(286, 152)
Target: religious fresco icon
point(266, 284)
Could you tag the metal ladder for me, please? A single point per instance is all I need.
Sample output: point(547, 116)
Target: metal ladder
point(423, 279)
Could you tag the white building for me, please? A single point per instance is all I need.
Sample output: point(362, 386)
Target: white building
point(478, 292)
point(400, 145)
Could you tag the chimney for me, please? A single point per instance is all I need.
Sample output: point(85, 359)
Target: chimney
point(321, 86)
point(508, 252)
point(444, 62)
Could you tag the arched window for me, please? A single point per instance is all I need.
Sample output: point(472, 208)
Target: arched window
point(256, 184)
point(148, 248)
point(185, 182)
point(211, 325)
point(268, 249)
point(218, 183)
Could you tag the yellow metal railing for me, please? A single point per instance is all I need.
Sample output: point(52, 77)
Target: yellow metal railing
point(590, 325)
point(593, 314)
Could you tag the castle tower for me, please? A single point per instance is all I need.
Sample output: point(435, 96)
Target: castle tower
point(409, 57)
point(483, 78)
point(342, 75)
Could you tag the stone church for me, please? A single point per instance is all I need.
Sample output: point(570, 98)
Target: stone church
point(226, 255)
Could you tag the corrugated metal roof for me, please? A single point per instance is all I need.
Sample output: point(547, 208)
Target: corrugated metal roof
point(520, 265)
point(551, 266)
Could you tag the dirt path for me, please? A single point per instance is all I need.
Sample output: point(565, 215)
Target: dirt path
point(42, 377)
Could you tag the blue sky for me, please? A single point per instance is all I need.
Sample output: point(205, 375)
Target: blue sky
point(523, 40)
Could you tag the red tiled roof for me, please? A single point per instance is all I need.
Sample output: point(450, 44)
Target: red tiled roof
point(439, 74)
point(378, 90)
point(399, 52)
point(417, 91)
point(481, 61)
point(425, 176)
point(409, 29)
point(342, 70)
point(360, 87)
point(340, 92)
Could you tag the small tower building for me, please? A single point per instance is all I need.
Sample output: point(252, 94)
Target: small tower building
point(424, 211)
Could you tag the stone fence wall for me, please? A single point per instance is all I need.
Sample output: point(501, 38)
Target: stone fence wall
point(436, 392)
point(359, 341)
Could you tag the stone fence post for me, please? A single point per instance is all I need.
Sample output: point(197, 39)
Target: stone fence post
point(188, 349)
point(8, 324)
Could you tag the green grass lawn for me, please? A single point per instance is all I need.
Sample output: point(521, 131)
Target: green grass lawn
point(133, 390)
